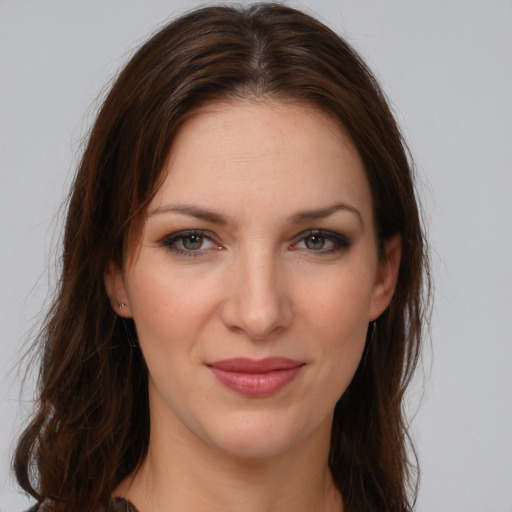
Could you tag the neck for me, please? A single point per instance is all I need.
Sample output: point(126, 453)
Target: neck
point(185, 474)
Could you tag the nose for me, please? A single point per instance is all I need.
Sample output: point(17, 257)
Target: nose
point(259, 298)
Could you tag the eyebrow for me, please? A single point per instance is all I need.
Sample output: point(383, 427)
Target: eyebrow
point(192, 211)
point(322, 213)
point(216, 218)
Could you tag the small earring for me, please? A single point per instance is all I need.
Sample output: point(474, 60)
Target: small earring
point(121, 305)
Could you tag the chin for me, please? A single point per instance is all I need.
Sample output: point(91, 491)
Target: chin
point(254, 446)
point(256, 436)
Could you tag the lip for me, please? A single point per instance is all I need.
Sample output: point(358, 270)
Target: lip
point(256, 377)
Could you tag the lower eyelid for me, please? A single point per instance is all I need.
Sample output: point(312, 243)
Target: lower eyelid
point(335, 241)
point(338, 241)
point(172, 243)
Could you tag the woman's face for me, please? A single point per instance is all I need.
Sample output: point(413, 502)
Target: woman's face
point(256, 278)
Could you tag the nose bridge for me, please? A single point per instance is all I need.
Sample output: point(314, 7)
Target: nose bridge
point(259, 302)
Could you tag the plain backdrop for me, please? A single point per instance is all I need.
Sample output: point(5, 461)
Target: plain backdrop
point(447, 69)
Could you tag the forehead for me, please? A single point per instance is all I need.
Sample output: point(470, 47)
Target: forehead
point(275, 156)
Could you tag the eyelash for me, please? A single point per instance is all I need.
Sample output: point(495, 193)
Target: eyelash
point(170, 243)
point(339, 241)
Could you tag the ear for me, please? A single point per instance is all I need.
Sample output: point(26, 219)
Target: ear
point(116, 291)
point(386, 278)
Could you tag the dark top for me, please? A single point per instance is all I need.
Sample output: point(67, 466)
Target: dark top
point(121, 505)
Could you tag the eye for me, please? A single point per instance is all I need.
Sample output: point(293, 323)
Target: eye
point(315, 242)
point(322, 242)
point(192, 242)
point(189, 243)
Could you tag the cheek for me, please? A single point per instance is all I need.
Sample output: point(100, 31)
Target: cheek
point(168, 309)
point(342, 303)
point(338, 322)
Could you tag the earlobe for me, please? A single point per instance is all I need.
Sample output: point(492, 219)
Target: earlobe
point(116, 291)
point(387, 277)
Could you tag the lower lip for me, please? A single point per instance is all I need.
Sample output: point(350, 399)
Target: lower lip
point(256, 385)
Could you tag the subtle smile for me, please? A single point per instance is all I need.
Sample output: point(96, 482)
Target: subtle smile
point(256, 378)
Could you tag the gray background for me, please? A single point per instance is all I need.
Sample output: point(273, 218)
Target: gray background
point(447, 69)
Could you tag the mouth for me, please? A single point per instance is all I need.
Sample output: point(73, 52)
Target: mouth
point(256, 378)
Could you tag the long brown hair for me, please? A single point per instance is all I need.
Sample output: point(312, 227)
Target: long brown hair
point(91, 426)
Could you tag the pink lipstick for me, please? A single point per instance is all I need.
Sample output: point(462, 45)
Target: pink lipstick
point(256, 377)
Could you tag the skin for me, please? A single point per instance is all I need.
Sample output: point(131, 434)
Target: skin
point(259, 284)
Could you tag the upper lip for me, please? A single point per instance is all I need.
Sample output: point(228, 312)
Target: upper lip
point(246, 365)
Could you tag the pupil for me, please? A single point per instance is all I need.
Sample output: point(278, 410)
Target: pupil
point(315, 242)
point(193, 242)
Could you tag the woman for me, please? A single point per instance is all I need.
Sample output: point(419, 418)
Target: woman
point(242, 292)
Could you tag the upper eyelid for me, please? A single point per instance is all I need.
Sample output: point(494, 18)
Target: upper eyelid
point(188, 232)
point(339, 241)
point(322, 232)
point(209, 235)
point(170, 241)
